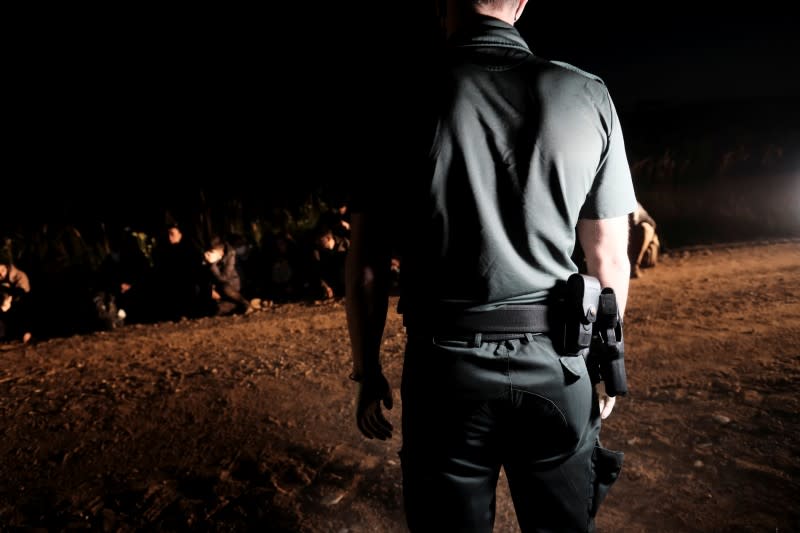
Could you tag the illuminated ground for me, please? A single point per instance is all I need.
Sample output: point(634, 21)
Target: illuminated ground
point(243, 424)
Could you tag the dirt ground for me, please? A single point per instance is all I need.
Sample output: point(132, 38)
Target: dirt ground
point(246, 423)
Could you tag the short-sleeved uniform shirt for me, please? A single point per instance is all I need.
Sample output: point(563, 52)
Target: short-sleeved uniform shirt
point(519, 149)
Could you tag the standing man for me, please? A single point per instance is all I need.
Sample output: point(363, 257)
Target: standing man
point(525, 160)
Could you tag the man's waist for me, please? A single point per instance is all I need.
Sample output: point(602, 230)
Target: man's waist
point(505, 319)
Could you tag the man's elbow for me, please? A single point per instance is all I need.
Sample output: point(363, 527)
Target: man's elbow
point(361, 273)
point(608, 264)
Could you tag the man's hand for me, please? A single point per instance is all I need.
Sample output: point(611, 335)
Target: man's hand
point(371, 392)
point(212, 256)
point(6, 304)
point(327, 290)
point(605, 401)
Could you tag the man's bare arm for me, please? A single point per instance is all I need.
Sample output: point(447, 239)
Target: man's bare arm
point(366, 292)
point(605, 246)
point(368, 271)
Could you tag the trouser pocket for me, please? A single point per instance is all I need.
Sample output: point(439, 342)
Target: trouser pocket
point(607, 465)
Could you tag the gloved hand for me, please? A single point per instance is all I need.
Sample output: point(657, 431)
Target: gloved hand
point(606, 402)
point(372, 390)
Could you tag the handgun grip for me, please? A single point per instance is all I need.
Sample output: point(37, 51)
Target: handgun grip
point(609, 329)
point(612, 369)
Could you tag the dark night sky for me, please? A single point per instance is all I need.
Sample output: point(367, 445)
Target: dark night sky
point(209, 63)
point(141, 99)
point(675, 54)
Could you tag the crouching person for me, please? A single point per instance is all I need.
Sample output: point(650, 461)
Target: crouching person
point(15, 316)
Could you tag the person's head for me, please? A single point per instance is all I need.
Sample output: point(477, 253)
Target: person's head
point(327, 241)
point(459, 11)
point(215, 250)
point(323, 237)
point(174, 234)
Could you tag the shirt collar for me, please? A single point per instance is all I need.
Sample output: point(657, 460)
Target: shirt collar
point(487, 31)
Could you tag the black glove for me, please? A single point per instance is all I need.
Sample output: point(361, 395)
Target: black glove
point(372, 390)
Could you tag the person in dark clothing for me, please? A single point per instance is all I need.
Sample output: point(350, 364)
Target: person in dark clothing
point(226, 284)
point(337, 218)
point(284, 268)
point(178, 276)
point(247, 263)
point(15, 311)
point(327, 263)
point(521, 158)
point(124, 274)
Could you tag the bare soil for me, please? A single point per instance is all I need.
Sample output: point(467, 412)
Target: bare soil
point(246, 423)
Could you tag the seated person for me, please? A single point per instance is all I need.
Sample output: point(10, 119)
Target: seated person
point(327, 263)
point(15, 317)
point(178, 269)
point(226, 284)
point(123, 274)
point(643, 245)
point(337, 219)
point(285, 271)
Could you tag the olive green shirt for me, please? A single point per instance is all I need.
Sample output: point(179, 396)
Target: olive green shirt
point(520, 148)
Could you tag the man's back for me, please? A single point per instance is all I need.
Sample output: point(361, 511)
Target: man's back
point(523, 147)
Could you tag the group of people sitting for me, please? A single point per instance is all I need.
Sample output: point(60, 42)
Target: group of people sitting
point(173, 278)
point(227, 275)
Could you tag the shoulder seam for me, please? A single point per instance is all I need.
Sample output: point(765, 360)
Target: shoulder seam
point(575, 69)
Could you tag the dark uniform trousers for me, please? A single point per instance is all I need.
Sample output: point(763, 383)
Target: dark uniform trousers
point(470, 407)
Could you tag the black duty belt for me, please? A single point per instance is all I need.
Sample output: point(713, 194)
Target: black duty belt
point(502, 323)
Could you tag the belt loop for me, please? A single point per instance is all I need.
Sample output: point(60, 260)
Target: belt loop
point(529, 337)
point(477, 340)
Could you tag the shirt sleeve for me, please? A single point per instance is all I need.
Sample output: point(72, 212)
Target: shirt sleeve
point(612, 194)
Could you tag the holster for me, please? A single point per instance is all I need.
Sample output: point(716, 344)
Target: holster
point(581, 296)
